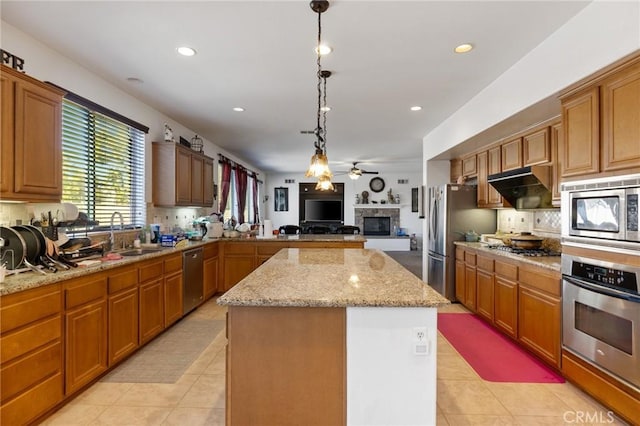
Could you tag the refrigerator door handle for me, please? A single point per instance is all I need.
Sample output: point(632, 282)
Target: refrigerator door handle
point(433, 225)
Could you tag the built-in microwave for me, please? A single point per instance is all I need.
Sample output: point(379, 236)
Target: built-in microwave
point(605, 208)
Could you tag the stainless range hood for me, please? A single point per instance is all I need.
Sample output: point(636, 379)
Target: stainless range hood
point(527, 188)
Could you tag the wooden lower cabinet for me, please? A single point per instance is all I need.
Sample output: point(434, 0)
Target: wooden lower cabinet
point(461, 282)
point(303, 348)
point(172, 298)
point(505, 316)
point(210, 276)
point(123, 324)
point(151, 309)
point(484, 294)
point(539, 323)
point(31, 355)
point(85, 345)
point(236, 268)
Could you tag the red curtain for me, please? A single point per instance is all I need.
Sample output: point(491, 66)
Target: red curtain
point(241, 189)
point(225, 185)
point(256, 210)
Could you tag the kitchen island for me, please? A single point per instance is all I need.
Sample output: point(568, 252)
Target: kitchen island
point(341, 336)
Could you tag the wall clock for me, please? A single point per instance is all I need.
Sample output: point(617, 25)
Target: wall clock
point(376, 184)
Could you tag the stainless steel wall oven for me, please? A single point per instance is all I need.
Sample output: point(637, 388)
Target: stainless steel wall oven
point(601, 315)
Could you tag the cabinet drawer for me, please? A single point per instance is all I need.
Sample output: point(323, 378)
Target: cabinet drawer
point(27, 339)
point(239, 248)
point(470, 258)
point(538, 279)
point(506, 270)
point(31, 369)
point(485, 263)
point(122, 280)
point(28, 306)
point(270, 249)
point(172, 264)
point(32, 403)
point(84, 291)
point(460, 253)
point(210, 250)
point(150, 270)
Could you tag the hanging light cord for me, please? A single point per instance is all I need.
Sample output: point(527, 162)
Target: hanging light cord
point(320, 141)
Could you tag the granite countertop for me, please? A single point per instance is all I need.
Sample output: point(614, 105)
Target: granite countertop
point(548, 262)
point(27, 280)
point(300, 237)
point(332, 278)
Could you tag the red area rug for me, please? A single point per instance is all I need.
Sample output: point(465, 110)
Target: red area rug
point(492, 355)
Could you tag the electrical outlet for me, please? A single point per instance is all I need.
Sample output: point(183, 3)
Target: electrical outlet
point(421, 344)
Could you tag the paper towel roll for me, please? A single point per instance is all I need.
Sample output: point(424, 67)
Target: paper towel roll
point(268, 229)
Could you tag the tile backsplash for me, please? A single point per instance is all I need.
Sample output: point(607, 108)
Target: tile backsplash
point(540, 222)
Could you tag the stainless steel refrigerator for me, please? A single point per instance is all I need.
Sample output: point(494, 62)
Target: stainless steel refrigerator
point(452, 213)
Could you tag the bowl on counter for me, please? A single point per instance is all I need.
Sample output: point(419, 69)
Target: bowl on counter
point(231, 233)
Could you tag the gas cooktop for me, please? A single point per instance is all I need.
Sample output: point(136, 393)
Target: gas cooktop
point(525, 252)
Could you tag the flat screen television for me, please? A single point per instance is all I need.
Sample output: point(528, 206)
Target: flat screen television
point(323, 211)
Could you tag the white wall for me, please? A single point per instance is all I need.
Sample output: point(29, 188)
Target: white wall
point(408, 219)
point(45, 64)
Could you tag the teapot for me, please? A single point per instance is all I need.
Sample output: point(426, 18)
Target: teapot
point(470, 236)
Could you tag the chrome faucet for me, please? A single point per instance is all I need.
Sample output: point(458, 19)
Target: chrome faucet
point(112, 240)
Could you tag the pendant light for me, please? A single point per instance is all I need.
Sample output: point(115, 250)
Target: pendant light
point(319, 166)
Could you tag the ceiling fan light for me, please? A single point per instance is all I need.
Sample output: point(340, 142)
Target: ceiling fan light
point(354, 174)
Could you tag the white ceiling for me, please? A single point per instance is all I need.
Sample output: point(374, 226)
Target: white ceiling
point(388, 56)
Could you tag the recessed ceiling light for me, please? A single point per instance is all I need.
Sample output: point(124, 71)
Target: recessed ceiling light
point(134, 80)
point(186, 51)
point(325, 108)
point(238, 109)
point(415, 108)
point(324, 49)
point(463, 48)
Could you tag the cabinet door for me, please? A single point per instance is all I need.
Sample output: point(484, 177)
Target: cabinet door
point(455, 170)
point(236, 268)
point(207, 183)
point(483, 186)
point(621, 120)
point(151, 310)
point(172, 298)
point(536, 148)
point(469, 166)
point(484, 294)
point(38, 141)
point(183, 176)
point(460, 281)
point(470, 287)
point(210, 275)
point(581, 127)
point(505, 316)
point(123, 324)
point(539, 323)
point(7, 96)
point(197, 180)
point(85, 345)
point(556, 161)
point(494, 165)
point(512, 155)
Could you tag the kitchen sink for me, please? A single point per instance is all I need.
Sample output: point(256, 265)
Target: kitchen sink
point(140, 252)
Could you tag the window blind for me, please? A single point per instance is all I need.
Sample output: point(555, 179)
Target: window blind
point(103, 165)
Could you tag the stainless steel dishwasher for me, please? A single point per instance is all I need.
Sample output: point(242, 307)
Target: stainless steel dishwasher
point(193, 292)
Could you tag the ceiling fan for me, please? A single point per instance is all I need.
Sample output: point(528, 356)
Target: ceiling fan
point(355, 172)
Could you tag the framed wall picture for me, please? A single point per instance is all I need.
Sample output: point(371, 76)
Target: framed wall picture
point(281, 199)
point(414, 200)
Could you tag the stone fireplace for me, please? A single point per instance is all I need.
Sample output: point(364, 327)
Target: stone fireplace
point(389, 219)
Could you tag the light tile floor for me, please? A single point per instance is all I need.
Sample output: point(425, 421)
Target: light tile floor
point(197, 398)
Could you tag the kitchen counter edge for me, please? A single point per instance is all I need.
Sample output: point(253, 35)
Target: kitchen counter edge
point(551, 263)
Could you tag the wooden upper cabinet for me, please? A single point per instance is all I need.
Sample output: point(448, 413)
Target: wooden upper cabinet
point(494, 165)
point(621, 119)
point(469, 166)
point(455, 170)
point(181, 176)
point(31, 139)
point(581, 128)
point(556, 162)
point(536, 147)
point(483, 186)
point(512, 155)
